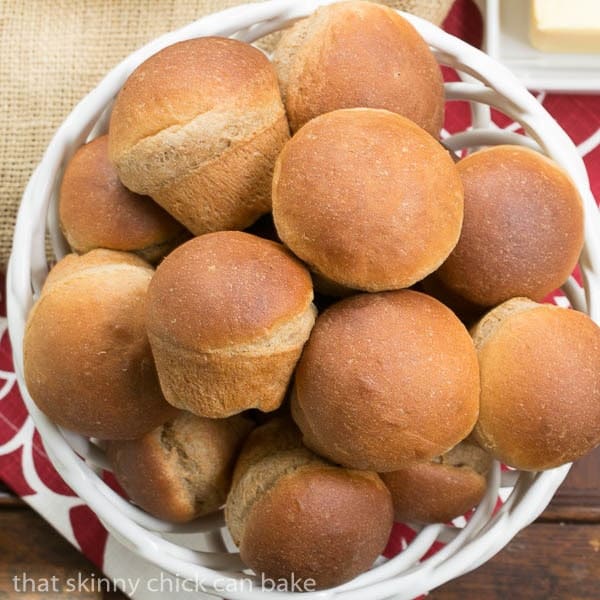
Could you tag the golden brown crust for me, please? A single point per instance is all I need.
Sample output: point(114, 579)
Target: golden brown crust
point(540, 385)
point(181, 470)
point(227, 316)
point(368, 199)
point(522, 231)
point(358, 54)
point(163, 91)
point(198, 127)
point(385, 380)
point(271, 450)
point(226, 288)
point(97, 211)
point(437, 492)
point(257, 480)
point(321, 523)
point(292, 513)
point(88, 363)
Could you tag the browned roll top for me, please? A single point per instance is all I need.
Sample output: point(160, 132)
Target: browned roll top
point(87, 358)
point(98, 211)
point(442, 489)
point(386, 380)
point(540, 384)
point(523, 227)
point(227, 315)
point(367, 199)
point(294, 515)
point(358, 54)
point(198, 127)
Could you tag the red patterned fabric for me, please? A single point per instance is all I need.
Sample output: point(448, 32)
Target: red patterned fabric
point(24, 465)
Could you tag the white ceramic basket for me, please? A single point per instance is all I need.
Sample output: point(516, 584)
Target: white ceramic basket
point(174, 548)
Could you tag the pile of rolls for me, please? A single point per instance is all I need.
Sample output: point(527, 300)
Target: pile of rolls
point(274, 266)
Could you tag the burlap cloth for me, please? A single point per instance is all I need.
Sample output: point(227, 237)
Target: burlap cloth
point(52, 52)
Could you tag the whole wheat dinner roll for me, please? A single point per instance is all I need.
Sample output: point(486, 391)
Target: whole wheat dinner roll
point(522, 231)
point(540, 384)
point(97, 211)
point(227, 316)
point(368, 199)
point(182, 469)
point(198, 127)
point(442, 489)
point(358, 54)
point(294, 515)
point(87, 358)
point(386, 380)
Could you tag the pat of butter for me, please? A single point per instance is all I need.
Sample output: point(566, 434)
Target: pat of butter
point(565, 25)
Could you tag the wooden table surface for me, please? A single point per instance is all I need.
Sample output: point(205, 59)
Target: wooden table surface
point(555, 558)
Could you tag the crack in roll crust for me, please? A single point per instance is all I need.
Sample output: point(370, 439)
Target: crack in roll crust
point(291, 512)
point(216, 382)
point(227, 315)
point(198, 127)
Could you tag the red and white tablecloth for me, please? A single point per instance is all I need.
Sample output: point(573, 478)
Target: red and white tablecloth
point(24, 466)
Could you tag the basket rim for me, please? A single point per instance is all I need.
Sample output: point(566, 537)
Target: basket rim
point(255, 18)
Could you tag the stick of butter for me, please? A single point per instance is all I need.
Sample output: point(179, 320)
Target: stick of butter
point(565, 25)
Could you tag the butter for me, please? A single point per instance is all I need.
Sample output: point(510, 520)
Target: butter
point(565, 25)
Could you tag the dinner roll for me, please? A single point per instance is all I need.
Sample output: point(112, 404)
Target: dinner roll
point(358, 54)
point(442, 489)
point(182, 469)
point(386, 380)
point(294, 515)
point(523, 227)
point(87, 359)
point(227, 315)
point(97, 211)
point(368, 199)
point(540, 384)
point(198, 127)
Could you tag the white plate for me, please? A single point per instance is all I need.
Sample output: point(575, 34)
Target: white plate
point(506, 38)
